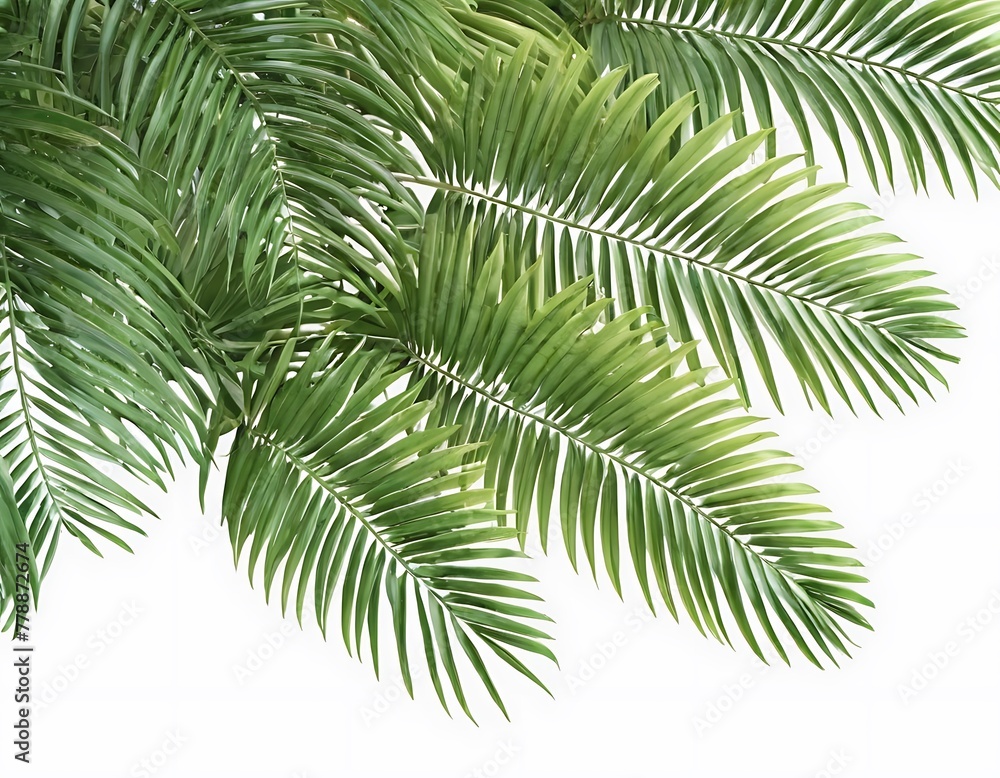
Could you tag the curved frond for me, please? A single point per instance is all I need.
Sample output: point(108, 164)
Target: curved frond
point(361, 504)
point(95, 351)
point(601, 429)
point(749, 260)
point(898, 79)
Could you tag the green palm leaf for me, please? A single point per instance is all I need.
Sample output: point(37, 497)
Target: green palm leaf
point(16, 547)
point(736, 258)
point(95, 351)
point(359, 500)
point(434, 42)
point(916, 81)
point(603, 428)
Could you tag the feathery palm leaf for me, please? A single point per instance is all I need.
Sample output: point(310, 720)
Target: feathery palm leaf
point(341, 488)
point(434, 43)
point(264, 146)
point(903, 79)
point(95, 355)
point(722, 254)
point(603, 425)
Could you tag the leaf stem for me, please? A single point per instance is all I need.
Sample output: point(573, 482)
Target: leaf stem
point(784, 43)
point(21, 392)
point(651, 247)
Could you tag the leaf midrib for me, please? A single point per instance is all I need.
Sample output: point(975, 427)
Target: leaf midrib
point(304, 467)
point(790, 44)
point(22, 394)
point(652, 247)
point(637, 470)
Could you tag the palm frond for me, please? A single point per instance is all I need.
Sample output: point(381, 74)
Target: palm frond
point(637, 458)
point(359, 501)
point(899, 79)
point(95, 352)
point(738, 258)
point(445, 279)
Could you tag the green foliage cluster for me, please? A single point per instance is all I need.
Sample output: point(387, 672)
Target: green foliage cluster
point(433, 279)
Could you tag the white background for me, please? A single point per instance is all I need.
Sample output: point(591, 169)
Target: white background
point(165, 656)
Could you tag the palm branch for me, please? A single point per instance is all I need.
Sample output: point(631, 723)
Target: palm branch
point(757, 263)
point(95, 348)
point(903, 82)
point(339, 487)
point(637, 457)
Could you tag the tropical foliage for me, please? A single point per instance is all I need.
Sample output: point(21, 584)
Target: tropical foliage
point(431, 280)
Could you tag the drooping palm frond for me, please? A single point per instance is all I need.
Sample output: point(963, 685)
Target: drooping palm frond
point(95, 352)
point(903, 80)
point(737, 258)
point(360, 502)
point(636, 457)
point(263, 138)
